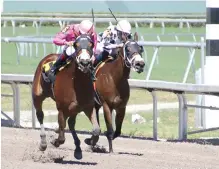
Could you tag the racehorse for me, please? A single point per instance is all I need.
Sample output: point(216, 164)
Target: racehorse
point(72, 91)
point(112, 87)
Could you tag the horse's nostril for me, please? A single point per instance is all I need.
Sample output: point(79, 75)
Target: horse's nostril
point(85, 62)
point(139, 63)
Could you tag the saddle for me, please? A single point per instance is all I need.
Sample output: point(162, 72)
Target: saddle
point(47, 66)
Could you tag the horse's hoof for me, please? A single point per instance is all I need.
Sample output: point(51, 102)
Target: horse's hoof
point(88, 141)
point(78, 154)
point(55, 143)
point(43, 147)
point(116, 135)
point(94, 140)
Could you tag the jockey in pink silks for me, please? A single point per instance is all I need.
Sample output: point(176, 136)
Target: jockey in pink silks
point(67, 37)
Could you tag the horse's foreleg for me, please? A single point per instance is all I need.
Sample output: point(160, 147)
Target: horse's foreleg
point(120, 114)
point(71, 124)
point(91, 114)
point(62, 125)
point(37, 101)
point(108, 120)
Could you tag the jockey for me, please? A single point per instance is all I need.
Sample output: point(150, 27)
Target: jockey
point(112, 37)
point(67, 37)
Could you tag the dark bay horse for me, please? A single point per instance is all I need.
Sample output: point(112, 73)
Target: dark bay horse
point(113, 88)
point(73, 92)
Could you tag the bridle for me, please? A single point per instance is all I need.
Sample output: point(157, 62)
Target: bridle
point(129, 61)
point(83, 46)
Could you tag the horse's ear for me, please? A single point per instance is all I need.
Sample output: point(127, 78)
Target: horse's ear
point(136, 36)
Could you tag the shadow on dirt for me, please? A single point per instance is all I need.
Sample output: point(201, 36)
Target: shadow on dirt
point(75, 162)
point(133, 154)
point(102, 149)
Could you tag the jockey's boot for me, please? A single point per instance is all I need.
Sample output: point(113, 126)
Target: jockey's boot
point(98, 59)
point(52, 72)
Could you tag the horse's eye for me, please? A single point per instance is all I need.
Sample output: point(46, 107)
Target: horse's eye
point(90, 44)
point(141, 49)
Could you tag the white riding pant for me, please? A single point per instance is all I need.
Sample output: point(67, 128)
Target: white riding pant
point(100, 47)
point(69, 50)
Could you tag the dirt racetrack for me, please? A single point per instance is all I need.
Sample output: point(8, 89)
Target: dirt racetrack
point(19, 150)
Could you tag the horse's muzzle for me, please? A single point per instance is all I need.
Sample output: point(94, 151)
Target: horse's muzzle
point(85, 62)
point(138, 64)
point(85, 65)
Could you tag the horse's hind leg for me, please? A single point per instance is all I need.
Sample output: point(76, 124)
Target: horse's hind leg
point(62, 124)
point(91, 114)
point(108, 120)
point(71, 124)
point(120, 114)
point(37, 101)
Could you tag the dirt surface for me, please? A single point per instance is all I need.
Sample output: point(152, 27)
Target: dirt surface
point(19, 150)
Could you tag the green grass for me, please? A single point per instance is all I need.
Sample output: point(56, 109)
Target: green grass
point(167, 127)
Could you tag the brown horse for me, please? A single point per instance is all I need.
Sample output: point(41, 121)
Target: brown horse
point(72, 91)
point(113, 88)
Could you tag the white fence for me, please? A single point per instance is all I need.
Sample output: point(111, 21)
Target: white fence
point(38, 21)
point(152, 86)
point(23, 43)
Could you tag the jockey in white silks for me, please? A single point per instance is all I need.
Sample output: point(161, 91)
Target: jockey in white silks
point(111, 38)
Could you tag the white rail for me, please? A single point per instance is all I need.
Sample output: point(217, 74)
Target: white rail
point(144, 43)
point(37, 21)
point(152, 86)
point(103, 15)
point(102, 20)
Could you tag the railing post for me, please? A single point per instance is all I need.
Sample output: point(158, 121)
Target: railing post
point(16, 103)
point(18, 53)
point(182, 130)
point(37, 49)
point(185, 117)
point(155, 114)
point(44, 49)
point(202, 78)
point(13, 26)
point(180, 117)
point(33, 110)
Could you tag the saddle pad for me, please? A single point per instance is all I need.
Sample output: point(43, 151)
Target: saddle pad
point(47, 66)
